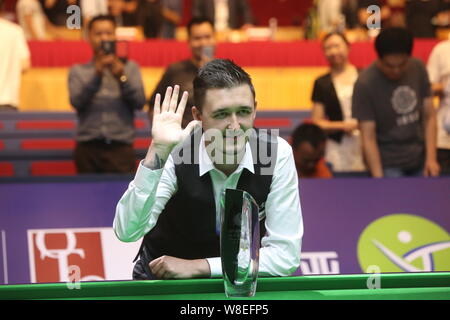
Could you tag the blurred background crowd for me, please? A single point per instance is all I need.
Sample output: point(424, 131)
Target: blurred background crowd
point(46, 19)
point(341, 134)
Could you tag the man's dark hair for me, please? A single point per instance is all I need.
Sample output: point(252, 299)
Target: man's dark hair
point(219, 74)
point(308, 132)
point(100, 18)
point(196, 21)
point(394, 41)
point(2, 2)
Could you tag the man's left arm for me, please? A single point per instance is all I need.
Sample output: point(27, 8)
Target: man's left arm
point(131, 85)
point(280, 247)
point(431, 168)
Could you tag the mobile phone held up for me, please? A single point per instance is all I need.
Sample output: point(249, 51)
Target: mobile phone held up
point(108, 47)
point(118, 48)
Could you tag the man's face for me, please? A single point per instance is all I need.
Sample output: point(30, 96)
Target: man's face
point(202, 36)
point(306, 157)
point(393, 66)
point(102, 30)
point(230, 112)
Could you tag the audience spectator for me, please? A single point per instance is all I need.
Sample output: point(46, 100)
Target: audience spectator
point(125, 12)
point(363, 14)
point(330, 15)
point(32, 19)
point(203, 45)
point(116, 10)
point(332, 106)
point(226, 14)
point(439, 72)
point(442, 19)
point(393, 104)
point(349, 10)
point(105, 93)
point(56, 10)
point(419, 16)
point(151, 17)
point(93, 8)
point(14, 60)
point(130, 13)
point(308, 144)
point(172, 11)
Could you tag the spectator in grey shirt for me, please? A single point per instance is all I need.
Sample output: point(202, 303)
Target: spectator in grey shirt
point(105, 93)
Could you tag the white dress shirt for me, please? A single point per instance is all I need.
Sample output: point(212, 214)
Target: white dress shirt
point(13, 53)
point(139, 208)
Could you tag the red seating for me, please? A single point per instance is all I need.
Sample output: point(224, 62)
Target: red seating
point(141, 143)
point(139, 123)
point(6, 169)
point(273, 123)
point(45, 125)
point(47, 144)
point(2, 145)
point(53, 168)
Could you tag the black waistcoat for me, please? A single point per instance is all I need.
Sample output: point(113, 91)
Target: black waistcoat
point(186, 228)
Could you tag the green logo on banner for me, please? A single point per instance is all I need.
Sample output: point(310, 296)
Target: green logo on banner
point(404, 243)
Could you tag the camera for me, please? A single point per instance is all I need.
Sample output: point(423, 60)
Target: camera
point(108, 47)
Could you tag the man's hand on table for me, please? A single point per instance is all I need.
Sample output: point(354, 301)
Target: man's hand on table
point(167, 267)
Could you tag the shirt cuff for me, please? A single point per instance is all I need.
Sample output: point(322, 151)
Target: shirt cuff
point(146, 177)
point(215, 264)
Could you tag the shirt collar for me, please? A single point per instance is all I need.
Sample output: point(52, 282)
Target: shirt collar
point(205, 164)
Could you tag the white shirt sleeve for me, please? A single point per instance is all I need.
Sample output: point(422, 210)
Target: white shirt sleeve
point(140, 206)
point(280, 248)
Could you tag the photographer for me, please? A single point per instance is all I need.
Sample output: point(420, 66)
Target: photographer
point(105, 93)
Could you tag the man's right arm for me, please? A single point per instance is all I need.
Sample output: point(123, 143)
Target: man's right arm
point(363, 110)
point(370, 148)
point(155, 182)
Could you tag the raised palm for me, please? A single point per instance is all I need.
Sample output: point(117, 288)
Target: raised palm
point(167, 118)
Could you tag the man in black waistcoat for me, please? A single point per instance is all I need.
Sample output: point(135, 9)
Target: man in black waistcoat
point(174, 198)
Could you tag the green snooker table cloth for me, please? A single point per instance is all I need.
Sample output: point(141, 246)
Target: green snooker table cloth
point(389, 286)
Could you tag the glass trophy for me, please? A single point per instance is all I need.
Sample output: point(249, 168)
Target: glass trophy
point(239, 243)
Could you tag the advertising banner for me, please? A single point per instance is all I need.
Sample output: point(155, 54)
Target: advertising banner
point(61, 231)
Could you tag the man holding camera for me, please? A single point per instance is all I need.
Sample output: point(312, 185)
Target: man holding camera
point(105, 93)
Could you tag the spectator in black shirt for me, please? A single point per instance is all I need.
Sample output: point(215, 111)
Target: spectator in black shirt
point(203, 45)
point(56, 10)
point(419, 16)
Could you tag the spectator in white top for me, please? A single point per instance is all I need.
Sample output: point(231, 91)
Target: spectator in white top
point(32, 19)
point(439, 73)
point(14, 59)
